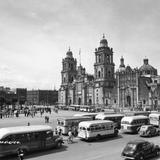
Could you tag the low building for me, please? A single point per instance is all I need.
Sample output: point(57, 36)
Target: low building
point(42, 97)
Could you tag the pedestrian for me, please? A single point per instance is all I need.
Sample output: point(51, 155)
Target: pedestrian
point(70, 137)
point(56, 131)
point(75, 132)
point(45, 118)
point(60, 132)
point(20, 154)
point(28, 124)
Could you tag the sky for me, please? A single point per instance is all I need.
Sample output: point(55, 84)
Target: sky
point(36, 34)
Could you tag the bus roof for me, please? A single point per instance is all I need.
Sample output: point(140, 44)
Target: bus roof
point(102, 116)
point(94, 122)
point(131, 118)
point(132, 113)
point(22, 129)
point(71, 118)
point(155, 114)
point(85, 114)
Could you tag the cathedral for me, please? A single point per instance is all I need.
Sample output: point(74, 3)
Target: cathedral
point(125, 87)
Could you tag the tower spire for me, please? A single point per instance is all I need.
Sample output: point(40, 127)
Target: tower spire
point(80, 57)
point(103, 36)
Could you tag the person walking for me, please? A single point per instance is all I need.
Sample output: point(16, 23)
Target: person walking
point(70, 137)
point(20, 154)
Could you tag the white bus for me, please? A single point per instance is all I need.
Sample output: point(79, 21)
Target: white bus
point(154, 119)
point(67, 123)
point(96, 129)
point(28, 138)
point(85, 108)
point(92, 115)
point(133, 123)
point(116, 118)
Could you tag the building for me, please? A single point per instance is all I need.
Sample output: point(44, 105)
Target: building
point(126, 87)
point(42, 97)
point(81, 88)
point(134, 85)
point(21, 95)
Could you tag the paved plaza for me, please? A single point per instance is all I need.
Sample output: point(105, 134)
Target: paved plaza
point(109, 148)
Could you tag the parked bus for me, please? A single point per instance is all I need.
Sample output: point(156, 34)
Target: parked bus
point(74, 107)
point(137, 113)
point(154, 119)
point(85, 108)
point(133, 123)
point(92, 115)
point(96, 129)
point(28, 138)
point(69, 123)
point(116, 118)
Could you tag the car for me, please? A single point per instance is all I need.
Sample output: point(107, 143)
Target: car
point(140, 150)
point(148, 131)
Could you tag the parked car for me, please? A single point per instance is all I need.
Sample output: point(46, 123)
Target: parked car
point(148, 131)
point(140, 150)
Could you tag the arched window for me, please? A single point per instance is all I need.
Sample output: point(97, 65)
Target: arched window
point(109, 73)
point(99, 74)
point(72, 79)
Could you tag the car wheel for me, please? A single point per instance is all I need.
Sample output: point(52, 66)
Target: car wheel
point(157, 152)
point(59, 145)
point(140, 157)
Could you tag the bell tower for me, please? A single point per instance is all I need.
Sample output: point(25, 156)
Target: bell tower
point(104, 66)
point(104, 72)
point(69, 66)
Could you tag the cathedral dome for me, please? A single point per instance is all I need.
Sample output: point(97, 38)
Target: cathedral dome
point(69, 54)
point(147, 69)
point(103, 42)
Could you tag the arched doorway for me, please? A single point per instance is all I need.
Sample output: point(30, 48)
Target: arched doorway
point(79, 101)
point(106, 102)
point(128, 100)
point(90, 102)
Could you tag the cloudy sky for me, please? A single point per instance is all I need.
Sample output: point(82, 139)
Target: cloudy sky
point(36, 34)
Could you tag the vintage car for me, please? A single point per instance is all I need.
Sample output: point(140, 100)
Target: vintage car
point(148, 131)
point(140, 150)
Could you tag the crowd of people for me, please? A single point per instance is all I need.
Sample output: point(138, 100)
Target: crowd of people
point(28, 111)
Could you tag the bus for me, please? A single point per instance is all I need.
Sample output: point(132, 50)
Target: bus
point(86, 108)
point(154, 119)
point(67, 123)
point(133, 123)
point(116, 118)
point(136, 113)
point(74, 107)
point(28, 138)
point(96, 129)
point(92, 115)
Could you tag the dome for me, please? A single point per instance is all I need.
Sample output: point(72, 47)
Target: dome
point(103, 42)
point(69, 53)
point(147, 69)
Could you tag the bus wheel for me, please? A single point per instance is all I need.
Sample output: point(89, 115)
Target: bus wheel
point(98, 137)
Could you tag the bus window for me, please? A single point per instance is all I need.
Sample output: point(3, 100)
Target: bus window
point(88, 129)
point(49, 135)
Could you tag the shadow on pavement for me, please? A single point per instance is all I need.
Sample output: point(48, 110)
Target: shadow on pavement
point(104, 139)
point(37, 153)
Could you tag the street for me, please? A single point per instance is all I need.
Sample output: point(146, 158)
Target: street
point(108, 148)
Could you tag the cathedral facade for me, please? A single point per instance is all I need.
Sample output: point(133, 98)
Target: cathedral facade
point(125, 87)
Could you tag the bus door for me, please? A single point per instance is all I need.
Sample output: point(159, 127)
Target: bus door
point(37, 140)
point(49, 140)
